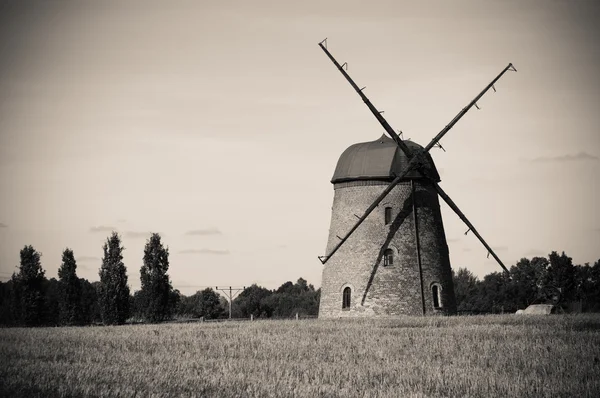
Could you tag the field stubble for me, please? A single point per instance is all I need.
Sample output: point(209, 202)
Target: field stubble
point(480, 356)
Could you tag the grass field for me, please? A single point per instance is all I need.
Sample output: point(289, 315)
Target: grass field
point(479, 356)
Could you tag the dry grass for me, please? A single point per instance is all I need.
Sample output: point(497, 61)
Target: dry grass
point(509, 356)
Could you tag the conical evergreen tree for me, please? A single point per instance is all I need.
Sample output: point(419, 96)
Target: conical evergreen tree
point(29, 284)
point(156, 290)
point(70, 290)
point(114, 292)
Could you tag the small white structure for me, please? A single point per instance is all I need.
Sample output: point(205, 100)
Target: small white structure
point(536, 309)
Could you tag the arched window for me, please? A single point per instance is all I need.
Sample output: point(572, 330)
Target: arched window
point(388, 215)
point(388, 257)
point(436, 292)
point(346, 298)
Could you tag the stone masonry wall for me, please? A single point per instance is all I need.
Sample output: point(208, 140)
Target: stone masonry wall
point(379, 290)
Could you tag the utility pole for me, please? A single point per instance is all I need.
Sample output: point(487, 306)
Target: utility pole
point(230, 293)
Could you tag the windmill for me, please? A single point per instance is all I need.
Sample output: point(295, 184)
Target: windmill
point(395, 264)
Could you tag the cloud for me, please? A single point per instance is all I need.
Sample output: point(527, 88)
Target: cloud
point(204, 251)
point(137, 234)
point(204, 232)
point(453, 240)
point(581, 156)
point(121, 220)
point(102, 228)
point(500, 248)
point(2, 225)
point(466, 249)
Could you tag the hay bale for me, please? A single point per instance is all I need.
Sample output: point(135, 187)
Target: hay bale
point(539, 309)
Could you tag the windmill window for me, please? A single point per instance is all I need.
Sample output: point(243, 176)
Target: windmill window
point(346, 298)
point(388, 215)
point(388, 257)
point(436, 292)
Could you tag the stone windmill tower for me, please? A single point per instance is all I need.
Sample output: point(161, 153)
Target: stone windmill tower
point(387, 251)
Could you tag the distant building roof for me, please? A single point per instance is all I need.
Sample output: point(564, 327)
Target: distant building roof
point(381, 159)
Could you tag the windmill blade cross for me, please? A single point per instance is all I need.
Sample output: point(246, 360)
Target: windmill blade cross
point(415, 158)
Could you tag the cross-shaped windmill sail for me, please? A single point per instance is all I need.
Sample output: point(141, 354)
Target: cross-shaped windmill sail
point(416, 161)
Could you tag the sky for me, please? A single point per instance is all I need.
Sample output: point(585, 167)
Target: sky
point(219, 125)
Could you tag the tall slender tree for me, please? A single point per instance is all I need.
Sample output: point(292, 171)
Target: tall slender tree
point(156, 291)
point(113, 294)
point(70, 290)
point(29, 288)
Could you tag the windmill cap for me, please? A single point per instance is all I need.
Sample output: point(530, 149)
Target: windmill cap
point(381, 159)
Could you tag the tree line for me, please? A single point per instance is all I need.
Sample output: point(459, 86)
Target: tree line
point(541, 280)
point(29, 298)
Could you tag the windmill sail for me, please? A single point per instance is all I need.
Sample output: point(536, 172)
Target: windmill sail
point(416, 159)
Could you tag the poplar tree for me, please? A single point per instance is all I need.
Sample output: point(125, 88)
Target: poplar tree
point(113, 295)
point(70, 290)
point(156, 292)
point(29, 288)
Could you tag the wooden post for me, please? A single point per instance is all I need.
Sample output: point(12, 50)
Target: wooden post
point(230, 300)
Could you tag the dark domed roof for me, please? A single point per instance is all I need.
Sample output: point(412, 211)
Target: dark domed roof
point(381, 159)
